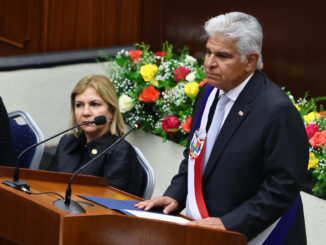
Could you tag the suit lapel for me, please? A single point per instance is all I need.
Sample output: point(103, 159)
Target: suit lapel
point(238, 113)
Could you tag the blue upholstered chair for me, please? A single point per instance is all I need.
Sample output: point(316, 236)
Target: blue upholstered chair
point(149, 175)
point(25, 133)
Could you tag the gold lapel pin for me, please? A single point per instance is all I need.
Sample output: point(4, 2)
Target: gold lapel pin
point(240, 113)
point(94, 151)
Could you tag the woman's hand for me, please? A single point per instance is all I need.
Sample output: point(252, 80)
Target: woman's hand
point(169, 204)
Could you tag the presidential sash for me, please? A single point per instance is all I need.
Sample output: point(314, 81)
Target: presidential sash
point(195, 206)
point(276, 233)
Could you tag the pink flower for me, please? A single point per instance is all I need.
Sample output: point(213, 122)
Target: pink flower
point(311, 129)
point(170, 125)
point(319, 139)
point(180, 73)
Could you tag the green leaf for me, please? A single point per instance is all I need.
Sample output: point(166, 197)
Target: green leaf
point(121, 62)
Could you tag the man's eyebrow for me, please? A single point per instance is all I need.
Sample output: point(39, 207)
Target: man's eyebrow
point(220, 53)
point(223, 53)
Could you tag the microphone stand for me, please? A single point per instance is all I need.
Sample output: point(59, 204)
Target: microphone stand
point(22, 185)
point(74, 207)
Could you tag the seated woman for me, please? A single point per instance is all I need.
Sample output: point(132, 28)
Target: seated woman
point(6, 154)
point(93, 96)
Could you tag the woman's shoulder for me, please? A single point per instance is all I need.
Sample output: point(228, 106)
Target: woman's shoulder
point(68, 142)
point(124, 145)
point(112, 139)
point(68, 138)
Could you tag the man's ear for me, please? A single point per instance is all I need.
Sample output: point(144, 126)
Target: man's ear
point(252, 60)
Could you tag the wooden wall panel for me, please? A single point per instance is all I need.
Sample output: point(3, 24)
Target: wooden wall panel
point(80, 24)
point(17, 22)
point(37, 26)
point(8, 29)
point(154, 23)
point(294, 35)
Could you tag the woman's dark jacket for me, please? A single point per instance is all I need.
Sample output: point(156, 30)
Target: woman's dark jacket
point(119, 165)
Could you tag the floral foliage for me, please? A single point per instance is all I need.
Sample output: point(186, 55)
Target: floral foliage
point(314, 119)
point(159, 88)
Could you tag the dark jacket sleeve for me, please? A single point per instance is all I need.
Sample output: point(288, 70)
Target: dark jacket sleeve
point(284, 167)
point(60, 155)
point(123, 170)
point(6, 154)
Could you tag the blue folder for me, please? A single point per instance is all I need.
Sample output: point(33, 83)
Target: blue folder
point(118, 205)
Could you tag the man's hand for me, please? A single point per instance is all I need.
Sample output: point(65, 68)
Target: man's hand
point(168, 203)
point(215, 223)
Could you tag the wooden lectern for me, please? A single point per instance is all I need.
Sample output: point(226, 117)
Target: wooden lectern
point(28, 219)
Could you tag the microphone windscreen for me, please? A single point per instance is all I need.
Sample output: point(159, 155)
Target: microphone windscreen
point(100, 120)
point(138, 123)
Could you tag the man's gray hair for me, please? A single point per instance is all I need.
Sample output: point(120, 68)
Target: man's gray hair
point(240, 27)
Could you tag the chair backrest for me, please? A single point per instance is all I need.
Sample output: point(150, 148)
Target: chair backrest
point(25, 133)
point(149, 175)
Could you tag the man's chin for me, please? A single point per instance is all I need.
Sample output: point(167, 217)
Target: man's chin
point(213, 82)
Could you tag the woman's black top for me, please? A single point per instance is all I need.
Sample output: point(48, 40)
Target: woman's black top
point(6, 152)
point(119, 165)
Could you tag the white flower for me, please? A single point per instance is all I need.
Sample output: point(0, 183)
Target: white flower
point(190, 77)
point(190, 60)
point(125, 103)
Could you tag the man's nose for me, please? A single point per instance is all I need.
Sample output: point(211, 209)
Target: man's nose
point(211, 60)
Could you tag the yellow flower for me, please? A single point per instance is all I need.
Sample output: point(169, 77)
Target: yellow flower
point(148, 72)
point(313, 161)
point(311, 116)
point(192, 89)
point(296, 106)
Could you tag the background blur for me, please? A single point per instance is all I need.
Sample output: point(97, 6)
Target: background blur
point(294, 32)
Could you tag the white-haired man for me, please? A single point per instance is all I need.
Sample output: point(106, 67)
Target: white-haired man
point(246, 156)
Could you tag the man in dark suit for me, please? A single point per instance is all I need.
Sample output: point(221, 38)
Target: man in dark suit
point(6, 155)
point(251, 168)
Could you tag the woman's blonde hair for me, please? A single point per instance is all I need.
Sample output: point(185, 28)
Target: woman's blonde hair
point(106, 90)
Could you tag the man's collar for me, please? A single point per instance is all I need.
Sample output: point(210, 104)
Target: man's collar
point(234, 93)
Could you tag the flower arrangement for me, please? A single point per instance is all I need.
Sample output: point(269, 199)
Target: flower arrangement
point(159, 88)
point(315, 123)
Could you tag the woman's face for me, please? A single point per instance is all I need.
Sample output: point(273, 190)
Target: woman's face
point(88, 105)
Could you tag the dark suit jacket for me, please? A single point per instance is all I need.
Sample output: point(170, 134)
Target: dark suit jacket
point(6, 155)
point(258, 162)
point(119, 165)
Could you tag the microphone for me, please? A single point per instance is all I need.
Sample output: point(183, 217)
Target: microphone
point(23, 186)
point(74, 207)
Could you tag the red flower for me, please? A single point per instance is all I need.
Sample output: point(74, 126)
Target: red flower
point(319, 139)
point(186, 125)
point(162, 54)
point(323, 114)
point(135, 55)
point(170, 123)
point(202, 83)
point(180, 73)
point(149, 95)
point(311, 129)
